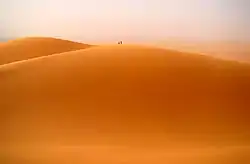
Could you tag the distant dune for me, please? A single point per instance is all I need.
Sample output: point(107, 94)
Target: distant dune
point(125, 104)
point(222, 49)
point(31, 47)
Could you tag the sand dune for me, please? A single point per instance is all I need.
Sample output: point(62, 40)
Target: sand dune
point(125, 104)
point(224, 49)
point(31, 47)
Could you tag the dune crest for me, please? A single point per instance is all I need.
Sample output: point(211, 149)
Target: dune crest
point(31, 47)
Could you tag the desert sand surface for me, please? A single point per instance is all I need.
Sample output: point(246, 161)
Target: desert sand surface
point(125, 104)
point(229, 50)
point(31, 47)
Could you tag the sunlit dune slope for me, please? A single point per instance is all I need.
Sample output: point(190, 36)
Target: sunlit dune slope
point(125, 103)
point(31, 47)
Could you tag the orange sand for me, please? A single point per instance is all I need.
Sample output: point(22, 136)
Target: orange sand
point(125, 104)
point(26, 48)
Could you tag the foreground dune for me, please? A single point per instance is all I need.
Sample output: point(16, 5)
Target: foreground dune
point(26, 48)
point(125, 104)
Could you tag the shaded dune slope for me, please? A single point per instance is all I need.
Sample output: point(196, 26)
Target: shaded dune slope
point(126, 96)
point(31, 47)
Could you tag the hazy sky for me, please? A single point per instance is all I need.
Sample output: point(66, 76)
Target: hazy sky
point(112, 20)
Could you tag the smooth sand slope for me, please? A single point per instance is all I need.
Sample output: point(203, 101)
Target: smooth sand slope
point(31, 47)
point(125, 104)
